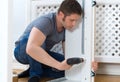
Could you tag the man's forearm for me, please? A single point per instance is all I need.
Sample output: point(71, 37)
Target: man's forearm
point(40, 55)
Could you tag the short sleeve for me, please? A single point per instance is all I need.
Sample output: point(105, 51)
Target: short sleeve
point(44, 25)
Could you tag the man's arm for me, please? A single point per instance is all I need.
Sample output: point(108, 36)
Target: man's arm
point(33, 49)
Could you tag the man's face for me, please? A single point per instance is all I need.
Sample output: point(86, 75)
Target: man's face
point(70, 21)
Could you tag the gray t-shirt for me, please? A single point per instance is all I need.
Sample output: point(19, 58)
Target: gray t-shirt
point(46, 24)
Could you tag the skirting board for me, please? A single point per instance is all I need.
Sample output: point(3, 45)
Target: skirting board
point(109, 68)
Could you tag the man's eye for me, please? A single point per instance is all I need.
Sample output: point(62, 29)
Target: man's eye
point(72, 20)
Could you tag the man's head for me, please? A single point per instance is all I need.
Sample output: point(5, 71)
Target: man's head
point(70, 11)
point(69, 7)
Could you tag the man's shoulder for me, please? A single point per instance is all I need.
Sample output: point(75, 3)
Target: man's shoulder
point(49, 15)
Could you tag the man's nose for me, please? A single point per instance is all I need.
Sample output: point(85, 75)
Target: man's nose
point(74, 23)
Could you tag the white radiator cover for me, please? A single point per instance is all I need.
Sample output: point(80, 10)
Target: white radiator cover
point(107, 34)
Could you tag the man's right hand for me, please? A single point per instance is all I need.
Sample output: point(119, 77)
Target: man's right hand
point(64, 66)
point(67, 64)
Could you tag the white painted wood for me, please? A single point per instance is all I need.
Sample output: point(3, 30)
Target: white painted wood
point(82, 71)
point(108, 1)
point(105, 59)
point(93, 32)
point(109, 68)
point(107, 40)
point(38, 10)
point(5, 40)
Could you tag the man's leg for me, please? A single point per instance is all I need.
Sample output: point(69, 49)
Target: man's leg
point(38, 70)
point(21, 56)
point(35, 69)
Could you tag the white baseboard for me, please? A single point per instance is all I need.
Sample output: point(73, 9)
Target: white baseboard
point(109, 68)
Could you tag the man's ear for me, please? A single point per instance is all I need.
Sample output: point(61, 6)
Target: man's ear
point(61, 14)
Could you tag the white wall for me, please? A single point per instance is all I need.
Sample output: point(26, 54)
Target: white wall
point(19, 24)
point(19, 17)
point(9, 32)
point(5, 40)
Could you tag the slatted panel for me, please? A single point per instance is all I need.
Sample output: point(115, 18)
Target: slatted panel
point(107, 29)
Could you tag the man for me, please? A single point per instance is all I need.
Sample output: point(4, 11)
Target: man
point(33, 47)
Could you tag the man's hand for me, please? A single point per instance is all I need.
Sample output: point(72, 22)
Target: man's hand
point(67, 64)
point(64, 66)
point(94, 65)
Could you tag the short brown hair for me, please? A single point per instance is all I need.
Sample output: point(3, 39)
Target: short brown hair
point(69, 7)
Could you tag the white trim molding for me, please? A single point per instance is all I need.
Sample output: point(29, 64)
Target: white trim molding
point(5, 42)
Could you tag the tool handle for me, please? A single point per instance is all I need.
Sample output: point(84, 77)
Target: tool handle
point(72, 61)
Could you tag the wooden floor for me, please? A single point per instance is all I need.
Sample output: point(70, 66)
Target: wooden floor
point(98, 78)
point(17, 71)
point(107, 78)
